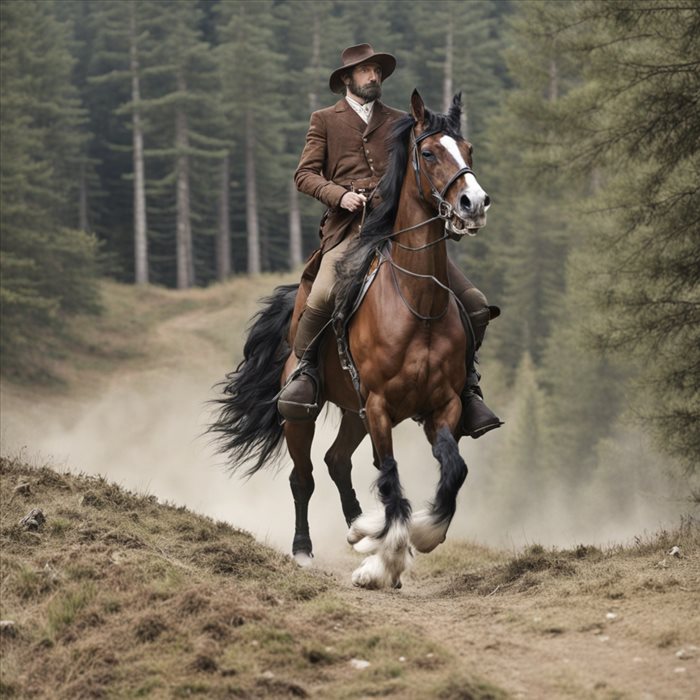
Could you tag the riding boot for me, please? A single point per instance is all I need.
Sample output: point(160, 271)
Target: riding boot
point(298, 400)
point(477, 418)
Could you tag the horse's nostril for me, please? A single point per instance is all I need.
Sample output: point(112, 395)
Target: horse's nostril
point(487, 201)
point(465, 202)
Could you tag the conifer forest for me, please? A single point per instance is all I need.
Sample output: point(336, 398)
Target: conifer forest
point(153, 142)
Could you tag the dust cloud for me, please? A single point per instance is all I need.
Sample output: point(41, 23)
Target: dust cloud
point(144, 432)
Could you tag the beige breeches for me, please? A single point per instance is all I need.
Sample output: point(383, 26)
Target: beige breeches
point(321, 294)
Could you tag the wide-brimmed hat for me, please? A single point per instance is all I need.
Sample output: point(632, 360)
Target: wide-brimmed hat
point(353, 56)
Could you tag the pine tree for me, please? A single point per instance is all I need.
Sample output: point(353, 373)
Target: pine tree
point(182, 108)
point(533, 208)
point(252, 73)
point(48, 267)
point(119, 45)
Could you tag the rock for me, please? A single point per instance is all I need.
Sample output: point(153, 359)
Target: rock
point(23, 489)
point(34, 520)
point(675, 552)
point(611, 616)
point(359, 664)
point(685, 654)
point(8, 628)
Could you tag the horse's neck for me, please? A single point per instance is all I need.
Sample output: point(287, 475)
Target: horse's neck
point(426, 296)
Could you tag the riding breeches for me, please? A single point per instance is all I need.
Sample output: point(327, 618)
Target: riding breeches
point(321, 295)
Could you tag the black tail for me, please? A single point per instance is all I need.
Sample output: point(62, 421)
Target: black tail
point(249, 427)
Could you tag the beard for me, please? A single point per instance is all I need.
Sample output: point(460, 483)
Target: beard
point(371, 91)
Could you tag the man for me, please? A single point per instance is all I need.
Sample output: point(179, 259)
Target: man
point(344, 157)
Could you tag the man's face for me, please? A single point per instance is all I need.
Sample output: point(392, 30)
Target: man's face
point(365, 81)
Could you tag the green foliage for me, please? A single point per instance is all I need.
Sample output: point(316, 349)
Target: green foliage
point(48, 268)
point(633, 115)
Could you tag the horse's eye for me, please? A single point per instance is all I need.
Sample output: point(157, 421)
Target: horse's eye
point(427, 155)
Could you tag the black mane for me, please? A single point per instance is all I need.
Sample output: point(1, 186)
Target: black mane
point(352, 267)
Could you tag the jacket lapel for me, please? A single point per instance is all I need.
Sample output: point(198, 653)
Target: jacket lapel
point(379, 115)
point(348, 115)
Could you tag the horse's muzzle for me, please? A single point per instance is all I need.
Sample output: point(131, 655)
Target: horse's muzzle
point(457, 227)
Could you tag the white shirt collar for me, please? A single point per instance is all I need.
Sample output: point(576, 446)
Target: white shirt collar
point(365, 110)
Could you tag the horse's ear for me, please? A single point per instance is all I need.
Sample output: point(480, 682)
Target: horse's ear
point(454, 114)
point(417, 107)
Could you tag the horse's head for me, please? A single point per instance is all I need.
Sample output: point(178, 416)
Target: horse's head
point(442, 163)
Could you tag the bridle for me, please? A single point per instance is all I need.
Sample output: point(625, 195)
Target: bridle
point(444, 208)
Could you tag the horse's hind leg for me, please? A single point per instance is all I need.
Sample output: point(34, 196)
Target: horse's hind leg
point(299, 437)
point(338, 458)
point(388, 534)
point(429, 526)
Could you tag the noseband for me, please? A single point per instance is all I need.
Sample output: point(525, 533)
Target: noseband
point(444, 208)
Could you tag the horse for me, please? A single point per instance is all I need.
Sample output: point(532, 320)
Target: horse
point(404, 353)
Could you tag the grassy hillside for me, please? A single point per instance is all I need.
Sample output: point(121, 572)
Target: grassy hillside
point(117, 595)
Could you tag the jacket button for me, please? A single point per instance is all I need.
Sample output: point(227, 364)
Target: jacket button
point(365, 139)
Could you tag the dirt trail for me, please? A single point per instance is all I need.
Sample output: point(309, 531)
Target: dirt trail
point(613, 628)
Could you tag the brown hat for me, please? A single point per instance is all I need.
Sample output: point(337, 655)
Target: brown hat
point(353, 56)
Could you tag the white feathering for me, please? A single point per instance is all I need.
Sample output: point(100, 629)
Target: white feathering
point(366, 525)
point(426, 531)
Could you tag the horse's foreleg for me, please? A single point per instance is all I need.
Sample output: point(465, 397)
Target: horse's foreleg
point(338, 459)
point(386, 533)
point(299, 437)
point(429, 526)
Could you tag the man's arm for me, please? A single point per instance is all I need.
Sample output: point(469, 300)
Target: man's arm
point(309, 176)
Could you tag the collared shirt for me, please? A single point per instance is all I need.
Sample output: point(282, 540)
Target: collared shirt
point(365, 110)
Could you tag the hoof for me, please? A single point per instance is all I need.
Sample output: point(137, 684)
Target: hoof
point(304, 559)
point(370, 574)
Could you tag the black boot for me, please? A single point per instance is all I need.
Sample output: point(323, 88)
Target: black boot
point(298, 400)
point(477, 418)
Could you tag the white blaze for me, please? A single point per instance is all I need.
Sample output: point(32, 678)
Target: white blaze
point(473, 186)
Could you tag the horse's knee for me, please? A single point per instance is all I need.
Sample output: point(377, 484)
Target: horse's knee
point(338, 465)
point(302, 486)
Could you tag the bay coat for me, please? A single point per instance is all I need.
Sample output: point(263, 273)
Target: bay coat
point(343, 153)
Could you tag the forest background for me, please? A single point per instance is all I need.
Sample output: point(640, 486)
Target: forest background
point(154, 143)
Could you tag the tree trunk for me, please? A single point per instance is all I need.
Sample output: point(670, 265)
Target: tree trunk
point(185, 261)
point(553, 81)
point(447, 81)
point(315, 61)
point(82, 201)
point(140, 228)
point(295, 248)
point(251, 198)
point(223, 238)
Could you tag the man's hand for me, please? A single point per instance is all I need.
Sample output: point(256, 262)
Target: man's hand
point(352, 201)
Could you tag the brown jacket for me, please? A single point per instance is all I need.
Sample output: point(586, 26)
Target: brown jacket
point(341, 153)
